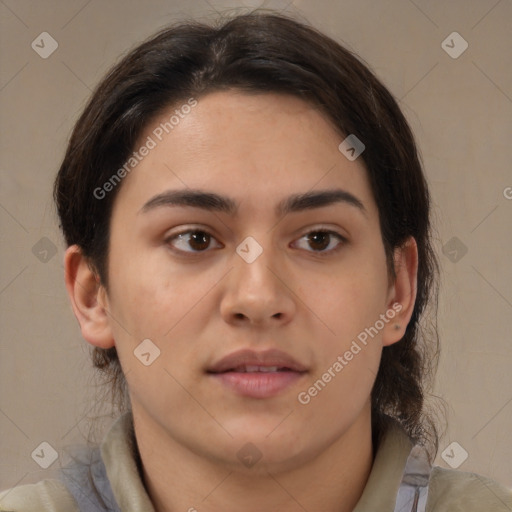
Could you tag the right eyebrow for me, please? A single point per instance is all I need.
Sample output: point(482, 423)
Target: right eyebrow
point(192, 197)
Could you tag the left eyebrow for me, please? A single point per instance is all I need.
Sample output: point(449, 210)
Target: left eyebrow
point(318, 199)
point(214, 202)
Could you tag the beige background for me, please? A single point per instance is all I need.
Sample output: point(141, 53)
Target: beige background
point(460, 110)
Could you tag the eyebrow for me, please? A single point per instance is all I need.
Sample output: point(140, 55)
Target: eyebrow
point(211, 201)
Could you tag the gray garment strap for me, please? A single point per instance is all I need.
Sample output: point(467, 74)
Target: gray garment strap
point(413, 490)
point(86, 479)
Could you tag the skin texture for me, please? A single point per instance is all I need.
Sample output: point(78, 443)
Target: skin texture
point(199, 307)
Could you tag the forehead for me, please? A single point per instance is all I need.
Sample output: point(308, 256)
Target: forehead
point(256, 148)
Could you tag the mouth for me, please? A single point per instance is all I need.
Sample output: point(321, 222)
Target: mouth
point(258, 369)
point(257, 375)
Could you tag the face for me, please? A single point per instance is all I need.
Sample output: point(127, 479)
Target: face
point(291, 280)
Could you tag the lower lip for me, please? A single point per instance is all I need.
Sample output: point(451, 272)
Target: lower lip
point(258, 384)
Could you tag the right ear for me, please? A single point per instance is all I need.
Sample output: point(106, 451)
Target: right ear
point(87, 296)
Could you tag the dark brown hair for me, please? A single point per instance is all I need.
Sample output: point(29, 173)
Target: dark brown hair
point(259, 53)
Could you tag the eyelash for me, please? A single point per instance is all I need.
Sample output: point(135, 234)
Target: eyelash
point(322, 253)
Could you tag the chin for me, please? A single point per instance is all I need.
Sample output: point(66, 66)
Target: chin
point(263, 447)
point(253, 458)
point(258, 428)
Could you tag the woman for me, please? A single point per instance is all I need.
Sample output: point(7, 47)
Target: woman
point(249, 254)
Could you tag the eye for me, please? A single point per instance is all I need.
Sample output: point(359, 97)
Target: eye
point(323, 241)
point(196, 239)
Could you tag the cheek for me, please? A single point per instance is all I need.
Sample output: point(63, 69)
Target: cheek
point(349, 306)
point(152, 298)
point(351, 300)
point(348, 358)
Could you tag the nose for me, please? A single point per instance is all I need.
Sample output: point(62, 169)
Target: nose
point(258, 293)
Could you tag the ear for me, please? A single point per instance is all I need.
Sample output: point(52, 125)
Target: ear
point(402, 292)
point(88, 299)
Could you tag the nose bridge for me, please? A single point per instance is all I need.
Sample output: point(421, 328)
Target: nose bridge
point(254, 263)
point(255, 288)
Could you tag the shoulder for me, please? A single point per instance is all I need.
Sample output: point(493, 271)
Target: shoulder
point(451, 490)
point(45, 496)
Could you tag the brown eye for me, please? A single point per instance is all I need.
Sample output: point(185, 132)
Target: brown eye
point(319, 240)
point(199, 240)
point(322, 241)
point(191, 241)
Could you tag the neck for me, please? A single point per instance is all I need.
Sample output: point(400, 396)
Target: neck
point(178, 479)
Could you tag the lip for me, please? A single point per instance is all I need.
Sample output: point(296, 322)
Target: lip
point(257, 384)
point(272, 357)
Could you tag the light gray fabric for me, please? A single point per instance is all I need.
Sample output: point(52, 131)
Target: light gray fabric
point(86, 479)
point(459, 491)
point(413, 491)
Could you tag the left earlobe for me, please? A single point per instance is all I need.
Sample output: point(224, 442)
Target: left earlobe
point(403, 291)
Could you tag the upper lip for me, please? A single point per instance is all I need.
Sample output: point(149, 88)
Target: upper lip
point(266, 358)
